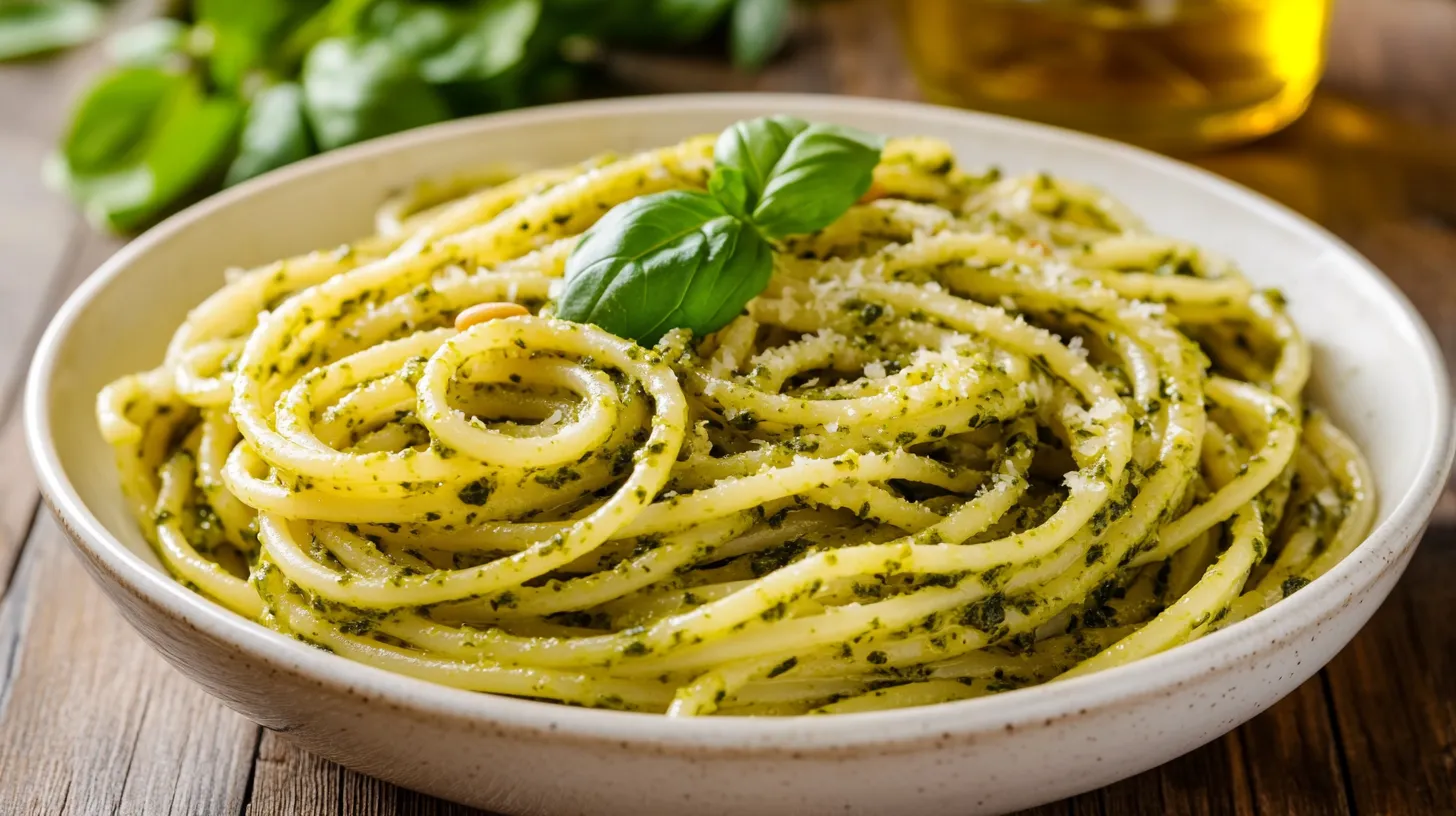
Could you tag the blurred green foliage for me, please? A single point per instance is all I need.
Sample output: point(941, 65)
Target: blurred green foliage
point(223, 90)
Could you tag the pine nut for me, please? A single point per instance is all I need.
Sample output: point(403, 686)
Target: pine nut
point(481, 312)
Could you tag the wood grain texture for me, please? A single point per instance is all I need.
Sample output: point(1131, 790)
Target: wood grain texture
point(92, 722)
point(41, 236)
point(18, 491)
point(1394, 692)
point(46, 249)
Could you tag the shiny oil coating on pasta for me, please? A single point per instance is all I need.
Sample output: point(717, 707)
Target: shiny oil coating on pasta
point(978, 434)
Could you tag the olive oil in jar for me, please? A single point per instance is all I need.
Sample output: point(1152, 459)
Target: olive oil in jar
point(1176, 75)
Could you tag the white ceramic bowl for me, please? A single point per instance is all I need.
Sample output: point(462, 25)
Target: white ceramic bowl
point(1377, 369)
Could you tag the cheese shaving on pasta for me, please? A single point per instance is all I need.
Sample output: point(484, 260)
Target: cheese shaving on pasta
point(978, 434)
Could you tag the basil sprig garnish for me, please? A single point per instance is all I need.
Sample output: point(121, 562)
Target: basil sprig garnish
point(693, 260)
point(798, 177)
point(662, 261)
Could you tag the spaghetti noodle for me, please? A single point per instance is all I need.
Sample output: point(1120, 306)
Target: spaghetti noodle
point(977, 434)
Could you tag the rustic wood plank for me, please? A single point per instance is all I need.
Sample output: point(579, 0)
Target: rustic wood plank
point(1066, 807)
point(1392, 691)
point(1398, 53)
point(18, 501)
point(1282, 762)
point(18, 492)
point(1291, 757)
point(1141, 794)
point(91, 720)
point(46, 247)
point(1208, 782)
point(288, 781)
point(1373, 160)
point(37, 225)
point(291, 782)
point(370, 797)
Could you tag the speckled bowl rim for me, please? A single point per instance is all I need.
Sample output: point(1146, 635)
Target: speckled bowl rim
point(902, 729)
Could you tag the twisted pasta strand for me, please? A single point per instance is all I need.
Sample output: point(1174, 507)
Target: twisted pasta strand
point(977, 434)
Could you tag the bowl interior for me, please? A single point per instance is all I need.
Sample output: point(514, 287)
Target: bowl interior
point(1376, 368)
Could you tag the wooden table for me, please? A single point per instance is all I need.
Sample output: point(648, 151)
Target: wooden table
point(91, 721)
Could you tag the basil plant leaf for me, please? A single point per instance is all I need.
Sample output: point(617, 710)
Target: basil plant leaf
point(416, 30)
point(492, 40)
point(675, 259)
point(800, 176)
point(182, 144)
point(242, 35)
point(186, 149)
point(275, 133)
point(358, 89)
point(116, 115)
point(152, 42)
point(756, 31)
point(754, 146)
point(728, 186)
point(31, 27)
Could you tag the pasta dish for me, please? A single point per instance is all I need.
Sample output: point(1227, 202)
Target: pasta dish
point(974, 433)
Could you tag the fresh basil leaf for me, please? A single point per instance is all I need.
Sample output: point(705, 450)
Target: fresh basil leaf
point(274, 133)
point(186, 150)
point(493, 40)
point(319, 20)
point(754, 146)
point(183, 146)
point(669, 260)
point(416, 30)
point(355, 90)
point(728, 186)
point(241, 35)
point(822, 173)
point(756, 31)
point(153, 42)
point(115, 116)
point(719, 299)
point(31, 27)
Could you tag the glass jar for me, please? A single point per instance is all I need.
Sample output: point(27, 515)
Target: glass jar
point(1174, 75)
